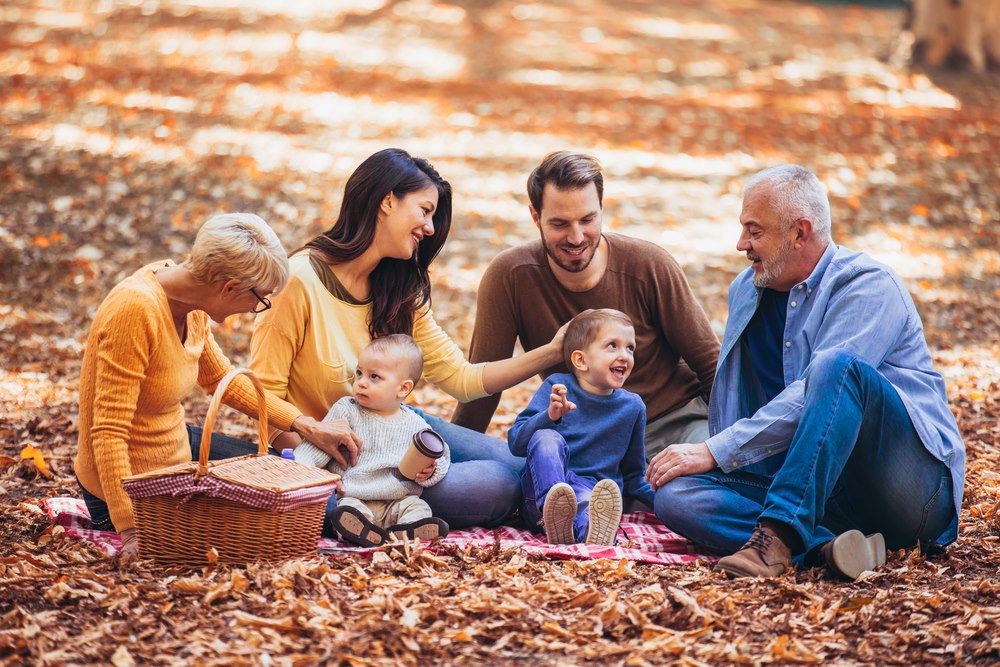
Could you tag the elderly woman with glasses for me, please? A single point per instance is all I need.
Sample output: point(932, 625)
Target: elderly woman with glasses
point(151, 342)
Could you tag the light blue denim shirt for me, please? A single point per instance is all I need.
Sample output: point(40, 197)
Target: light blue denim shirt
point(849, 301)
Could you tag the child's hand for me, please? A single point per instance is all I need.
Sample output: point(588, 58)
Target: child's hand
point(339, 488)
point(426, 473)
point(559, 405)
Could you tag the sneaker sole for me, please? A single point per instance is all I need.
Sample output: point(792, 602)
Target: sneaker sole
point(605, 513)
point(558, 514)
point(423, 529)
point(354, 529)
point(852, 553)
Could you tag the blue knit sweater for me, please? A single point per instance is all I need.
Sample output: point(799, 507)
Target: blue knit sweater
point(605, 434)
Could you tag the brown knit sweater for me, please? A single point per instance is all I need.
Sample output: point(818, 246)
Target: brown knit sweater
point(135, 373)
point(520, 298)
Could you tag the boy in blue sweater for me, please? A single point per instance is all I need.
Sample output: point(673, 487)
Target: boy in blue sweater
point(583, 435)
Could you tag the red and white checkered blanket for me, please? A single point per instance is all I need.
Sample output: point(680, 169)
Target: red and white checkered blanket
point(645, 539)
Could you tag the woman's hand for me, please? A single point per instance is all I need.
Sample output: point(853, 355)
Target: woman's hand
point(556, 345)
point(130, 545)
point(505, 373)
point(426, 473)
point(677, 460)
point(559, 405)
point(334, 437)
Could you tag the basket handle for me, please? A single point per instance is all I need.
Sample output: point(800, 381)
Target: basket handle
point(213, 409)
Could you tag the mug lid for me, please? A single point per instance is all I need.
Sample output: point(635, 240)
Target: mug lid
point(429, 442)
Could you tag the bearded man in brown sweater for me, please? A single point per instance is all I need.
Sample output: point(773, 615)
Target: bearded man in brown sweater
point(529, 291)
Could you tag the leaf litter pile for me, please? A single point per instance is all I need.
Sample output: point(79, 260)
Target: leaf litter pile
point(125, 124)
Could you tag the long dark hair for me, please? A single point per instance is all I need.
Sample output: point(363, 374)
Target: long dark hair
point(398, 287)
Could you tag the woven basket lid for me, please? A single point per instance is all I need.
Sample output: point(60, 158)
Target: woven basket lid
point(268, 473)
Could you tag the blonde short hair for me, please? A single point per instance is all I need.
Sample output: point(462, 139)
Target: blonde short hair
point(239, 246)
point(404, 350)
point(582, 329)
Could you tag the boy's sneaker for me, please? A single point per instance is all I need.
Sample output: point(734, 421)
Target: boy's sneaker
point(851, 553)
point(605, 513)
point(559, 514)
point(429, 528)
point(354, 527)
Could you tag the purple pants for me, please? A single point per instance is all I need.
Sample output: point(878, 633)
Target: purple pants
point(546, 466)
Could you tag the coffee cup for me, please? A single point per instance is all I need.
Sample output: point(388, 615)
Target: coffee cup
point(425, 448)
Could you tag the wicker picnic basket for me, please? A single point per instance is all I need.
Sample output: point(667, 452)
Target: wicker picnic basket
point(247, 508)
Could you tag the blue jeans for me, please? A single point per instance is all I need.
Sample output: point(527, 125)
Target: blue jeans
point(223, 447)
point(482, 486)
point(548, 464)
point(855, 462)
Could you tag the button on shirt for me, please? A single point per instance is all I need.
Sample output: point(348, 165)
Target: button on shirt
point(849, 301)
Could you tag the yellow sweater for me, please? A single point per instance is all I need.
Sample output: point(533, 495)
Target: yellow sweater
point(135, 373)
point(305, 348)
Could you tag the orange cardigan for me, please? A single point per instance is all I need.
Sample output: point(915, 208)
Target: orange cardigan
point(135, 373)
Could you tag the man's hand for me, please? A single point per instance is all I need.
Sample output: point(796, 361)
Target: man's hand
point(677, 460)
point(559, 405)
point(426, 473)
point(334, 437)
point(130, 545)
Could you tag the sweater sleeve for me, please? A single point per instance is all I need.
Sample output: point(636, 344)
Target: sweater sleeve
point(124, 342)
point(493, 339)
point(277, 335)
point(444, 363)
point(684, 323)
point(533, 418)
point(310, 454)
point(633, 466)
point(213, 365)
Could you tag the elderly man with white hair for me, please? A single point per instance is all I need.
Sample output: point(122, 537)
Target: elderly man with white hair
point(831, 435)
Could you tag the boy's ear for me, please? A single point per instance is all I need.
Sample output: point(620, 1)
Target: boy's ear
point(405, 389)
point(579, 361)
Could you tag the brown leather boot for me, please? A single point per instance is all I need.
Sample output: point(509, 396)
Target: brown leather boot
point(764, 555)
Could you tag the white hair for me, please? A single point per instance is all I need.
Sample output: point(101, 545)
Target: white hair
point(795, 193)
point(239, 246)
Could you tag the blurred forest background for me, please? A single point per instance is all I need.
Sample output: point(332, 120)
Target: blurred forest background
point(126, 124)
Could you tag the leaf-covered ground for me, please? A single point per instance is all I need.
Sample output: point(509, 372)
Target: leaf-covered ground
point(124, 124)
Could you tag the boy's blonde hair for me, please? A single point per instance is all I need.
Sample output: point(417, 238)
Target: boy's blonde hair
point(403, 346)
point(582, 329)
point(239, 246)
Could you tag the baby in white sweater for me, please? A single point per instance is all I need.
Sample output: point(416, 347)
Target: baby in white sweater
point(377, 500)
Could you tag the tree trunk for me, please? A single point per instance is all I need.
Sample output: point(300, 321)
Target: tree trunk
point(956, 31)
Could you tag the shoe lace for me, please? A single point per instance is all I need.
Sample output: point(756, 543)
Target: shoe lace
point(759, 540)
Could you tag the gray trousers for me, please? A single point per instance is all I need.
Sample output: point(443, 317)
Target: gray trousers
point(388, 513)
point(688, 423)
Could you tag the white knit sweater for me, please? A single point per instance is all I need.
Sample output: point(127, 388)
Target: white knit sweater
point(383, 442)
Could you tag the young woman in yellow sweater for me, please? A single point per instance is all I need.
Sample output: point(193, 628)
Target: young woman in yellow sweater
point(150, 344)
point(366, 277)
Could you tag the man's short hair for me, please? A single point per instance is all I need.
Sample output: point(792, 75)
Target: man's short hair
point(239, 246)
point(582, 329)
point(567, 171)
point(405, 349)
point(795, 193)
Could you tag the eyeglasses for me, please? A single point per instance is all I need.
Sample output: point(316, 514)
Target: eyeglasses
point(264, 303)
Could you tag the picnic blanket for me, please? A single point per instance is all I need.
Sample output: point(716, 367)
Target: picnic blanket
point(642, 538)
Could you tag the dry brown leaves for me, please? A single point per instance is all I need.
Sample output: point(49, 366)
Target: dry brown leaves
point(126, 124)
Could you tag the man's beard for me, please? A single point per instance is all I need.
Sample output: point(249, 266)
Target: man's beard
point(771, 271)
point(580, 264)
